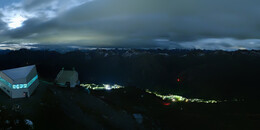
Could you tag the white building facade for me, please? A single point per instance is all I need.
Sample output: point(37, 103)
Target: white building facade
point(67, 78)
point(19, 82)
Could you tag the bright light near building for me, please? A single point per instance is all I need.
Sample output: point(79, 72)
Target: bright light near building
point(16, 21)
point(107, 87)
point(101, 87)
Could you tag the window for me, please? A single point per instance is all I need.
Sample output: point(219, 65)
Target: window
point(19, 86)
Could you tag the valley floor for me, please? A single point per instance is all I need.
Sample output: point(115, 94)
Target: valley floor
point(51, 107)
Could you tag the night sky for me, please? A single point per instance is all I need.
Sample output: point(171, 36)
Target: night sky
point(170, 24)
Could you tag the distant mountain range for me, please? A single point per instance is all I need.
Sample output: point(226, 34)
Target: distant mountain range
point(200, 73)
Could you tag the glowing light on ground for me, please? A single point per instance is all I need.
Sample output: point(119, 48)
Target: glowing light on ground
point(170, 97)
point(166, 103)
point(101, 87)
point(177, 98)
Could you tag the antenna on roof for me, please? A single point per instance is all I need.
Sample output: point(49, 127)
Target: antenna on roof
point(73, 68)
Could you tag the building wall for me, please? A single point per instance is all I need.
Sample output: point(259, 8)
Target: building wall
point(58, 76)
point(6, 89)
point(73, 80)
point(33, 87)
point(19, 93)
point(31, 75)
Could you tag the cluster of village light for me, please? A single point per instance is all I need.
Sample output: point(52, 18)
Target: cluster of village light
point(101, 87)
point(177, 98)
point(173, 98)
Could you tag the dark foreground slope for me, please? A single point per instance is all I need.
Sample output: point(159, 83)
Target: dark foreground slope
point(52, 108)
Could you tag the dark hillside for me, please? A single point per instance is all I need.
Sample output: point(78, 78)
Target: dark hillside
point(202, 74)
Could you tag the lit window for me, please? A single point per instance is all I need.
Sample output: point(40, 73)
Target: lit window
point(18, 86)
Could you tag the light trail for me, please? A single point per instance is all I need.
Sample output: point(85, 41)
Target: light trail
point(171, 97)
point(177, 98)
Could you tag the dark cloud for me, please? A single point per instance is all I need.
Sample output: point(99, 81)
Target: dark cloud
point(2, 24)
point(138, 23)
point(32, 4)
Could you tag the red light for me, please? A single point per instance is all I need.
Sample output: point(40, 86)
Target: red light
point(178, 80)
point(166, 103)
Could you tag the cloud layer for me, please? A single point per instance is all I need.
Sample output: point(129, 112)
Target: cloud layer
point(201, 24)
